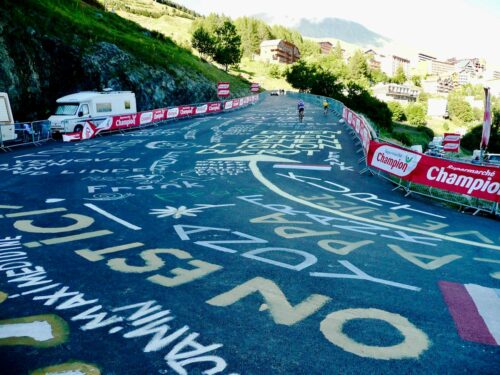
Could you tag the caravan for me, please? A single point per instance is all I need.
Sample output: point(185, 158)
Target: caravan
point(74, 110)
point(7, 129)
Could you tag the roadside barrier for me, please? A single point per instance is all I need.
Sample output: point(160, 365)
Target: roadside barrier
point(24, 133)
point(466, 185)
point(96, 126)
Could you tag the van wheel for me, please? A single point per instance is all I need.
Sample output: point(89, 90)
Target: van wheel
point(78, 128)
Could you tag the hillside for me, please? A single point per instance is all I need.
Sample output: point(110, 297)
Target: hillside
point(49, 48)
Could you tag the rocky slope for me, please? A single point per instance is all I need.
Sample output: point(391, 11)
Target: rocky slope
point(52, 48)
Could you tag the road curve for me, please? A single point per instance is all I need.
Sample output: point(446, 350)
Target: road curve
point(245, 243)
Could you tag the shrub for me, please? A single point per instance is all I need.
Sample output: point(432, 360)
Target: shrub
point(415, 113)
point(428, 131)
point(398, 113)
point(403, 138)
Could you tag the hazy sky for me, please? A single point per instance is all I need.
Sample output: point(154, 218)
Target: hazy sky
point(444, 28)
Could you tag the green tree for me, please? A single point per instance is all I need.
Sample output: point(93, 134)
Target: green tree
point(203, 42)
point(417, 80)
point(460, 110)
point(399, 75)
point(358, 68)
point(472, 139)
point(227, 45)
point(300, 76)
point(337, 51)
point(397, 110)
point(415, 113)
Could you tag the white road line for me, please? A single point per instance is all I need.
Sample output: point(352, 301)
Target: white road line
point(304, 166)
point(112, 217)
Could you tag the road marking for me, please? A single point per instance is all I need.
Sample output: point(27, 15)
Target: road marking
point(112, 217)
point(310, 167)
point(254, 159)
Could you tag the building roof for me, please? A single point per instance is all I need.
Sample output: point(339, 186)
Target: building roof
point(270, 43)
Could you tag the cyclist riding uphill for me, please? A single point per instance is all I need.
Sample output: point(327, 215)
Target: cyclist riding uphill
point(300, 106)
point(325, 106)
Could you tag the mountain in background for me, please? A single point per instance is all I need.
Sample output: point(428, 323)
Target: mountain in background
point(336, 28)
point(351, 32)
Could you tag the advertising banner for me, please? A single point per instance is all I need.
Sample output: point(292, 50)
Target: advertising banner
point(462, 178)
point(359, 126)
point(254, 87)
point(223, 89)
point(97, 125)
point(451, 142)
point(485, 136)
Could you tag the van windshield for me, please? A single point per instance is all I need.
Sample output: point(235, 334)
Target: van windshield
point(66, 109)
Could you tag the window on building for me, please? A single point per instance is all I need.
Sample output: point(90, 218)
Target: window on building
point(103, 107)
point(127, 104)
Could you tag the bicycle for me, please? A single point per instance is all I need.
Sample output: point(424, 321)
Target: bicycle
point(325, 111)
point(301, 115)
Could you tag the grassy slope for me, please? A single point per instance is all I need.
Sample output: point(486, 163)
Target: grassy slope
point(78, 23)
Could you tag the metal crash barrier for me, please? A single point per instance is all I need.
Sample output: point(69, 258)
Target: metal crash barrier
point(460, 184)
point(24, 133)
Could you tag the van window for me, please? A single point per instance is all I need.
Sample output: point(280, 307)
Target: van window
point(84, 109)
point(66, 109)
point(127, 104)
point(103, 107)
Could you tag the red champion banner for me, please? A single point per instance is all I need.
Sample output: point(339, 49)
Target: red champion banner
point(359, 126)
point(223, 89)
point(468, 179)
point(103, 124)
point(255, 87)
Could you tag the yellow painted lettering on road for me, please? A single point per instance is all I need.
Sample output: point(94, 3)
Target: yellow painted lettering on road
point(392, 217)
point(97, 255)
point(254, 159)
point(436, 262)
point(429, 225)
point(280, 309)
point(345, 248)
point(276, 218)
point(415, 341)
point(82, 222)
point(186, 276)
point(474, 233)
point(151, 260)
point(495, 275)
point(296, 232)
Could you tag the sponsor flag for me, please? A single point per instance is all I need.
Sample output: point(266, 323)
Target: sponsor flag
point(223, 89)
point(255, 87)
point(475, 310)
point(487, 119)
point(451, 142)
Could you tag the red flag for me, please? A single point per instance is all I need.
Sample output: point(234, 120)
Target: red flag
point(487, 119)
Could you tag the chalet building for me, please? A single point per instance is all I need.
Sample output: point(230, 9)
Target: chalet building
point(278, 51)
point(326, 47)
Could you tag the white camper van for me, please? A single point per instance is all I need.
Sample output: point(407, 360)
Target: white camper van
point(73, 110)
point(7, 129)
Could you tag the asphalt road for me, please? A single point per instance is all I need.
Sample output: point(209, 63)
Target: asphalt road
point(246, 243)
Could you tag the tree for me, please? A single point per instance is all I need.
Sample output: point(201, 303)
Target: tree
point(227, 45)
point(358, 68)
point(460, 110)
point(398, 113)
point(203, 42)
point(300, 76)
point(337, 52)
point(472, 139)
point(399, 75)
point(417, 80)
point(415, 113)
